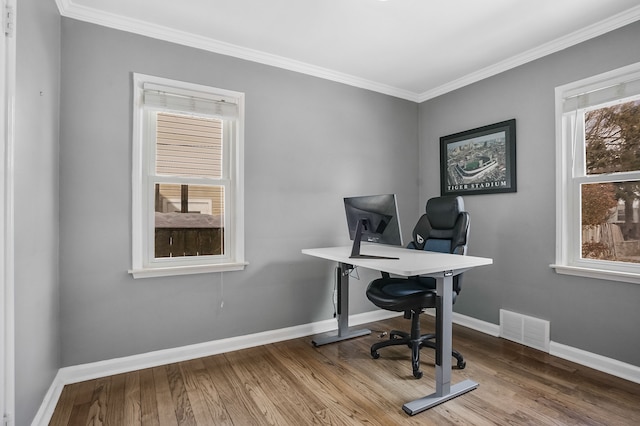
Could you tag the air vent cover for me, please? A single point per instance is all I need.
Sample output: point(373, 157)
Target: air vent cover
point(529, 331)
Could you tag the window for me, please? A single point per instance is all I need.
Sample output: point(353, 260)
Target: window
point(598, 183)
point(187, 178)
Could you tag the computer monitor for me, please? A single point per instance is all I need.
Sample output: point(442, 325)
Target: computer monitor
point(372, 218)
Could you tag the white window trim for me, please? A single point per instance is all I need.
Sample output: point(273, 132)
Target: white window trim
point(567, 205)
point(142, 267)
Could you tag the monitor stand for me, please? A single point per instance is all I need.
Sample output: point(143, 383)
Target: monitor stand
point(355, 249)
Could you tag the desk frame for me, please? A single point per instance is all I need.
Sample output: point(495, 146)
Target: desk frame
point(444, 318)
point(443, 267)
point(342, 311)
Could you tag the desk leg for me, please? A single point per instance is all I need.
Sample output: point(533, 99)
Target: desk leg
point(444, 390)
point(343, 333)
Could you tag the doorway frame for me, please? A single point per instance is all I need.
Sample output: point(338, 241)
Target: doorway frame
point(7, 130)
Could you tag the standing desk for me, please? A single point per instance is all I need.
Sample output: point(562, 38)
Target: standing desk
point(443, 267)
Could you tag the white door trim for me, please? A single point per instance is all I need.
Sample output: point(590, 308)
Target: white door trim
point(7, 108)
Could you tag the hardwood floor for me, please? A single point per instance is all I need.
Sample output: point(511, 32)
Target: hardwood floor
point(293, 383)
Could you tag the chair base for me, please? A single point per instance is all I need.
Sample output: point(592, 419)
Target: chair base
point(415, 341)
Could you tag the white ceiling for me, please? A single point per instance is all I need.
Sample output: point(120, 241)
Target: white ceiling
point(412, 49)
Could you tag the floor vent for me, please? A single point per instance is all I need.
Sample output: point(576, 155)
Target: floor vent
point(529, 331)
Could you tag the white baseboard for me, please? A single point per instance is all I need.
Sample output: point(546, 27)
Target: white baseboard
point(94, 370)
point(79, 373)
point(470, 322)
point(597, 362)
point(476, 324)
point(588, 359)
point(43, 416)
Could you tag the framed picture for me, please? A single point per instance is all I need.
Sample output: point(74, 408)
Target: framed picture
point(479, 161)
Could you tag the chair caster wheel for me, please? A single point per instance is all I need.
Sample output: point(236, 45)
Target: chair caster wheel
point(462, 365)
point(417, 374)
point(375, 354)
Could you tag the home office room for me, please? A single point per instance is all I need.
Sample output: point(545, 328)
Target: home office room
point(314, 103)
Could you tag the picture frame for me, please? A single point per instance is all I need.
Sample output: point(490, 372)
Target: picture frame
point(479, 161)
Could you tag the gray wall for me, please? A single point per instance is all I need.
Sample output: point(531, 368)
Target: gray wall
point(308, 143)
point(518, 230)
point(37, 355)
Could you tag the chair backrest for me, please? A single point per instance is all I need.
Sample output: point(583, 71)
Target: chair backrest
point(443, 228)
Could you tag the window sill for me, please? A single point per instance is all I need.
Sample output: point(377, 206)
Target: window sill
point(186, 270)
point(602, 274)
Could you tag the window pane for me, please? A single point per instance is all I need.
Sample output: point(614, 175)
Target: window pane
point(188, 146)
point(189, 220)
point(612, 138)
point(610, 229)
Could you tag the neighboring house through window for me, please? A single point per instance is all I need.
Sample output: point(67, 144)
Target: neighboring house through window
point(187, 178)
point(598, 182)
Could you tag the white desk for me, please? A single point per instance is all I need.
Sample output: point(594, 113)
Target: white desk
point(443, 267)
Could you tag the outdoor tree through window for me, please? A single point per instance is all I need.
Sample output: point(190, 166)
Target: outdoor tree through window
point(598, 176)
point(612, 145)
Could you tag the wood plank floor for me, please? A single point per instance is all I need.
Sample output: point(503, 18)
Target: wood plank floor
point(294, 383)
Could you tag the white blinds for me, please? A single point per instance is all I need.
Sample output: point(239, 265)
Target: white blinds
point(188, 146)
point(596, 93)
point(177, 100)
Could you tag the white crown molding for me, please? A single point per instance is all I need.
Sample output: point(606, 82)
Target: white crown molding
point(69, 9)
point(617, 21)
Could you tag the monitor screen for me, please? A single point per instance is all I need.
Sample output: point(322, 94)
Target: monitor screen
point(373, 218)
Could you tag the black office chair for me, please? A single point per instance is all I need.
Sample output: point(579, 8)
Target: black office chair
point(443, 228)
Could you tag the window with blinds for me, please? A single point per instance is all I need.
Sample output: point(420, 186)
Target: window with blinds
point(187, 178)
point(598, 127)
point(188, 146)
